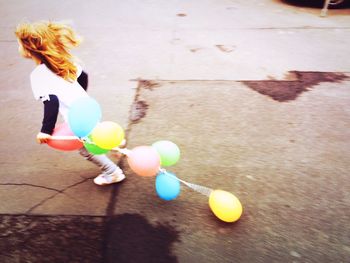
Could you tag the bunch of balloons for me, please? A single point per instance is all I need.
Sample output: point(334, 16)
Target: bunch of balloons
point(84, 122)
point(148, 161)
point(85, 129)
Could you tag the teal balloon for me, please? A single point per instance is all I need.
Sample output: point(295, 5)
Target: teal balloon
point(83, 116)
point(168, 151)
point(93, 148)
point(167, 186)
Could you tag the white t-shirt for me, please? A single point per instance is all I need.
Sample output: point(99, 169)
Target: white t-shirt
point(44, 83)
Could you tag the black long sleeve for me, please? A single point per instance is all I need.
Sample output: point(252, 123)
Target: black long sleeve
point(50, 114)
point(51, 107)
point(83, 80)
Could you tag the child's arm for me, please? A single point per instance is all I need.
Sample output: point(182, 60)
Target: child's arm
point(51, 107)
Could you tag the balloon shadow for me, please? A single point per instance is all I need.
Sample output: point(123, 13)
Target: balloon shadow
point(131, 238)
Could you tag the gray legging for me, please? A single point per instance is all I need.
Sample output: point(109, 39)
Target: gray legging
point(106, 165)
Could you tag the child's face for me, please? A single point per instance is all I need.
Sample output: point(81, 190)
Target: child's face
point(22, 51)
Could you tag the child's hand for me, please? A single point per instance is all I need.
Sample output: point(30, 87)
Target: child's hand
point(42, 137)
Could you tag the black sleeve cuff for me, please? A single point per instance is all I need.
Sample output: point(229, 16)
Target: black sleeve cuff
point(50, 114)
point(83, 80)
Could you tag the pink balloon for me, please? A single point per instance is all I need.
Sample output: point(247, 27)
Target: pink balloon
point(144, 161)
point(64, 145)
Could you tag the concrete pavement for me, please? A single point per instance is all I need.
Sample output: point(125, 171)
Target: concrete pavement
point(286, 161)
point(210, 63)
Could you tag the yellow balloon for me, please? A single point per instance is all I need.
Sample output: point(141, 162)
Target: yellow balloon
point(107, 135)
point(225, 206)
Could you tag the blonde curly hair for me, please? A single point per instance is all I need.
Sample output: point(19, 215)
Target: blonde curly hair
point(50, 43)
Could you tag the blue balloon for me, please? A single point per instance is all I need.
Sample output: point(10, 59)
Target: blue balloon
point(83, 116)
point(167, 186)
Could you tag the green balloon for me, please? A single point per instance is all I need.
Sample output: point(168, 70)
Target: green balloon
point(93, 148)
point(168, 151)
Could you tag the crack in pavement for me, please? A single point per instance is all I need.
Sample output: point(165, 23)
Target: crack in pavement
point(57, 193)
point(40, 203)
point(32, 185)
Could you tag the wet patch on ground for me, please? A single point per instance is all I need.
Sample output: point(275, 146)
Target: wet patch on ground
point(225, 48)
point(147, 84)
point(287, 90)
point(131, 238)
point(139, 107)
point(138, 111)
point(194, 49)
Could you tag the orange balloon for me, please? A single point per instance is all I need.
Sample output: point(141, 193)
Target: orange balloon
point(144, 160)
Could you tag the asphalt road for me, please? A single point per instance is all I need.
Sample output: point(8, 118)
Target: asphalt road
point(254, 94)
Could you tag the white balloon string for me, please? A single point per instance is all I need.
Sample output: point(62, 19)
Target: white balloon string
point(162, 170)
point(64, 138)
point(70, 138)
point(198, 188)
point(124, 151)
point(87, 140)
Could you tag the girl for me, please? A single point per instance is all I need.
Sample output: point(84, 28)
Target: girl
point(57, 81)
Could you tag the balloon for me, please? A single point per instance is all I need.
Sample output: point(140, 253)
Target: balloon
point(168, 151)
point(167, 186)
point(225, 205)
point(107, 135)
point(64, 145)
point(93, 148)
point(83, 116)
point(144, 160)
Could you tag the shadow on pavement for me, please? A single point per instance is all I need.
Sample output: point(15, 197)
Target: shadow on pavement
point(131, 238)
point(123, 238)
point(26, 238)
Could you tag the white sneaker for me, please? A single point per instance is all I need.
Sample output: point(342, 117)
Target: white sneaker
point(105, 179)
